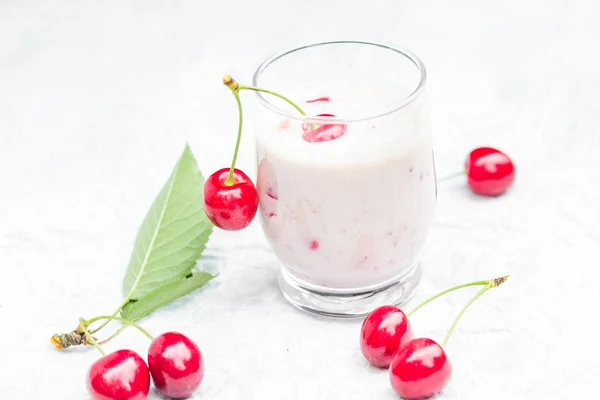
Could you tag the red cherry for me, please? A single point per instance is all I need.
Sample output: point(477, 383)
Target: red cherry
point(383, 331)
point(323, 133)
point(230, 207)
point(176, 365)
point(122, 375)
point(490, 172)
point(420, 369)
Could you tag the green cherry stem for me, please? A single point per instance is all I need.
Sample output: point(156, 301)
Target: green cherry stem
point(229, 181)
point(440, 294)
point(90, 338)
point(235, 87)
point(123, 304)
point(451, 176)
point(125, 321)
point(111, 337)
point(491, 284)
point(291, 103)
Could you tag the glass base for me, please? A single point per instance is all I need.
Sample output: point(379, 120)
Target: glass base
point(348, 303)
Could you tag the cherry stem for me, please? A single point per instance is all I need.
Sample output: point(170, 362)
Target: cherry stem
point(111, 337)
point(492, 283)
point(125, 321)
point(451, 176)
point(236, 87)
point(290, 102)
point(440, 294)
point(229, 181)
point(113, 315)
point(90, 338)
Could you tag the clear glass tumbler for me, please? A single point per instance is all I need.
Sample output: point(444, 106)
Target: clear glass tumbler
point(346, 193)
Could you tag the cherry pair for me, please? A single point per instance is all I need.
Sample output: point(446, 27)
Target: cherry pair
point(174, 363)
point(419, 367)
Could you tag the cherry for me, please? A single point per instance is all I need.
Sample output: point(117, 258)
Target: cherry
point(176, 365)
point(420, 369)
point(490, 172)
point(323, 133)
point(266, 185)
point(383, 331)
point(122, 375)
point(324, 99)
point(230, 206)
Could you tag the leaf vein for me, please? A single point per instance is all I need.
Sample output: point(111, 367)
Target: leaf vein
point(182, 233)
point(178, 217)
point(155, 234)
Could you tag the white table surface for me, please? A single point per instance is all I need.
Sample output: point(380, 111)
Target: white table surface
point(98, 98)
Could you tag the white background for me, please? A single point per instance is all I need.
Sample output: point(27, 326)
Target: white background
point(97, 100)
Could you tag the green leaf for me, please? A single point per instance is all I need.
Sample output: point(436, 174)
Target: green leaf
point(164, 295)
point(173, 235)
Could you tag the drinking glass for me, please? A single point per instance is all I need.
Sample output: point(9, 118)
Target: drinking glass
point(346, 192)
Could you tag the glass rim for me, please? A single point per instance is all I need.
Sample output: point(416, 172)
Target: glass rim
point(319, 120)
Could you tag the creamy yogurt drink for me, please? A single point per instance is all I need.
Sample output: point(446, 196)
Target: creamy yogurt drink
point(346, 203)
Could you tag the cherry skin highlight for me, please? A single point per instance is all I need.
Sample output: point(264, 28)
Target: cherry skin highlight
point(490, 172)
point(420, 369)
point(230, 207)
point(176, 365)
point(382, 333)
point(122, 375)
